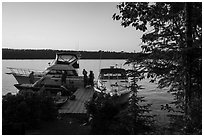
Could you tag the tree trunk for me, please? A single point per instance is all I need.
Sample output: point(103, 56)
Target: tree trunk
point(189, 44)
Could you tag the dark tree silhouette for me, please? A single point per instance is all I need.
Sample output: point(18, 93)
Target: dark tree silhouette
point(172, 42)
point(50, 54)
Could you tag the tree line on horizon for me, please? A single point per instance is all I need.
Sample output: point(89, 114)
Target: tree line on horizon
point(50, 54)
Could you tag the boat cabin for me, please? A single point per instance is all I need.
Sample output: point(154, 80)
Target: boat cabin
point(112, 73)
point(63, 62)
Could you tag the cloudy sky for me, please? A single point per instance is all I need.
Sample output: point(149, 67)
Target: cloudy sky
point(66, 25)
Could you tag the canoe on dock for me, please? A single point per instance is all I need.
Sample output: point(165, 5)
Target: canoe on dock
point(77, 106)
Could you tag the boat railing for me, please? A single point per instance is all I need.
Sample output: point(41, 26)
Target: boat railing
point(23, 71)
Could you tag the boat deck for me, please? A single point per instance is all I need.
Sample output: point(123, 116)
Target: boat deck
point(77, 106)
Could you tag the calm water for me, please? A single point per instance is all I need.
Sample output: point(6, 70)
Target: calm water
point(153, 95)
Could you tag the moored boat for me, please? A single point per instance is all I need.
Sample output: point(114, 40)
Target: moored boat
point(113, 81)
point(64, 62)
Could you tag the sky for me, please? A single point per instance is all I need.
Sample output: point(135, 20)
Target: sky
point(66, 26)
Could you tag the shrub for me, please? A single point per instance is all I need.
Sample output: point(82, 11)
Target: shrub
point(102, 110)
point(114, 119)
point(27, 109)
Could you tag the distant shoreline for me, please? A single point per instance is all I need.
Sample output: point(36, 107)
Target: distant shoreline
point(39, 54)
point(53, 59)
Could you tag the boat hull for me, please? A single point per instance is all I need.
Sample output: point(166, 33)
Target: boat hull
point(61, 101)
point(22, 79)
point(122, 99)
point(76, 81)
point(117, 99)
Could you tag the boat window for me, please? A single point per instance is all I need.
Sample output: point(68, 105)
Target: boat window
point(55, 72)
point(66, 58)
point(113, 74)
point(71, 73)
point(59, 72)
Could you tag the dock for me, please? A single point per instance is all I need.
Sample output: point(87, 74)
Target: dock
point(77, 106)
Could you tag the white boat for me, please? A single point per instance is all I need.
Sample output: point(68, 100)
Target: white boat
point(52, 75)
point(113, 81)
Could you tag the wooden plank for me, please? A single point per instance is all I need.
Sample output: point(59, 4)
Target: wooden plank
point(78, 109)
point(88, 93)
point(72, 104)
point(89, 96)
point(77, 105)
point(85, 97)
point(80, 105)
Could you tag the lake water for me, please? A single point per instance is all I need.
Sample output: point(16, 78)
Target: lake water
point(151, 93)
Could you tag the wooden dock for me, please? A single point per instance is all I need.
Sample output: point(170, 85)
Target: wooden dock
point(77, 106)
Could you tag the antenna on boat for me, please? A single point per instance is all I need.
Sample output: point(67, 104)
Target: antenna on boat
point(77, 45)
point(100, 53)
point(77, 48)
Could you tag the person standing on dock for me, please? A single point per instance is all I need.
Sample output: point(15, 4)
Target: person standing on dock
point(91, 78)
point(85, 77)
point(31, 77)
point(63, 79)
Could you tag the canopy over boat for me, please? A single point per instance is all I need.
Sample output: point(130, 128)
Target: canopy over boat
point(66, 59)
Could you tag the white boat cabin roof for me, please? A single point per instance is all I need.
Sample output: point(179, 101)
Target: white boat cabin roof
point(62, 58)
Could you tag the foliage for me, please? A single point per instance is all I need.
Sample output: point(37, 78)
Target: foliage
point(102, 110)
point(135, 119)
point(28, 109)
point(172, 50)
point(108, 117)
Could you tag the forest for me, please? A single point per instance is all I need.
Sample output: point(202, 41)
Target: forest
point(50, 54)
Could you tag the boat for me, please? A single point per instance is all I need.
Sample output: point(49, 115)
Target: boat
point(60, 100)
point(50, 77)
point(58, 95)
point(114, 82)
